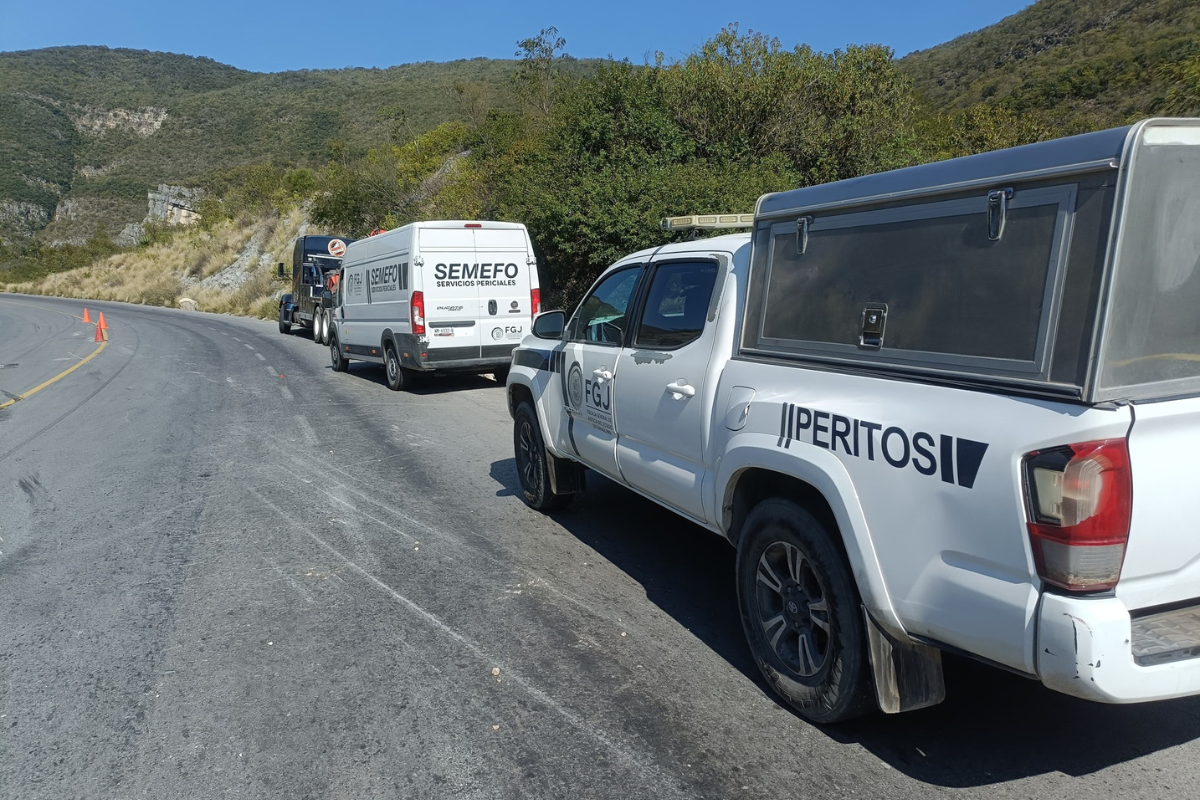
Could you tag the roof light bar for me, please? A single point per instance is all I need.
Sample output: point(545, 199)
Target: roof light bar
point(708, 222)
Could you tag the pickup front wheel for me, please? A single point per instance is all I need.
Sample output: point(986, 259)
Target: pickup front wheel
point(531, 462)
point(801, 613)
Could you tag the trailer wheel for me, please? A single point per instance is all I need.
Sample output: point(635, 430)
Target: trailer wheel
point(339, 361)
point(317, 335)
point(398, 378)
point(531, 458)
point(285, 325)
point(801, 614)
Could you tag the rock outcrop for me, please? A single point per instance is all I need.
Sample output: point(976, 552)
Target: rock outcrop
point(97, 121)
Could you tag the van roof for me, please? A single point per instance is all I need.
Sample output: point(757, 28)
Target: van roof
point(1087, 152)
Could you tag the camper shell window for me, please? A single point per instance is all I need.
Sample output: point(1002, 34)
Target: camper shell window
point(1151, 343)
point(949, 291)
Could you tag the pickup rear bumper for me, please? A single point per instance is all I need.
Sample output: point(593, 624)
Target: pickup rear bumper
point(1091, 648)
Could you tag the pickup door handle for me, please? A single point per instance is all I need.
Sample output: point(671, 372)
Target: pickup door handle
point(602, 374)
point(680, 389)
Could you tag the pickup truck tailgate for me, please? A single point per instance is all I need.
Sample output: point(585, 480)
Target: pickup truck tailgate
point(1162, 558)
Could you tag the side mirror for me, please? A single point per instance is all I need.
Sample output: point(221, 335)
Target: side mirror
point(326, 298)
point(550, 325)
point(279, 274)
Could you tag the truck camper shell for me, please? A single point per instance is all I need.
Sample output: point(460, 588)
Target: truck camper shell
point(1068, 269)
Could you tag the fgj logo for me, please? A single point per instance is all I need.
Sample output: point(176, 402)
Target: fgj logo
point(497, 333)
point(575, 387)
point(957, 460)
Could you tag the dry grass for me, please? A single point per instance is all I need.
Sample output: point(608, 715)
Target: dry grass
point(162, 274)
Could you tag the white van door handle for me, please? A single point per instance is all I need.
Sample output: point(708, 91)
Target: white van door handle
point(602, 374)
point(680, 389)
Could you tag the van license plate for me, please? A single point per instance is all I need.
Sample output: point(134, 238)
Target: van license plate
point(443, 331)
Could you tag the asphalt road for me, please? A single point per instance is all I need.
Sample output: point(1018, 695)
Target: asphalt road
point(227, 571)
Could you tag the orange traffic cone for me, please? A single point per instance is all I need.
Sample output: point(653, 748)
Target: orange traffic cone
point(102, 325)
point(86, 317)
point(100, 335)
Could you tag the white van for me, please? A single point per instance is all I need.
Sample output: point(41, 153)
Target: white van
point(436, 296)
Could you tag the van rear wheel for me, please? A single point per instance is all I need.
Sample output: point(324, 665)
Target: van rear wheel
point(802, 614)
point(531, 457)
point(339, 361)
point(398, 378)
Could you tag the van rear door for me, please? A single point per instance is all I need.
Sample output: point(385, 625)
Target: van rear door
point(505, 265)
point(451, 292)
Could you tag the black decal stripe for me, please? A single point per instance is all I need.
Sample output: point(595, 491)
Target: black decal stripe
point(947, 458)
point(783, 407)
point(571, 434)
point(970, 456)
point(790, 425)
point(536, 359)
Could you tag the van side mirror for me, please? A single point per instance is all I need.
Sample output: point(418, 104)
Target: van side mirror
point(550, 325)
point(280, 274)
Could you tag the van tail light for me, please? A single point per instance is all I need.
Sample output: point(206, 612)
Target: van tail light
point(1080, 498)
point(535, 301)
point(417, 307)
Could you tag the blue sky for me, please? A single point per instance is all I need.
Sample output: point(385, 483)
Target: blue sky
point(275, 36)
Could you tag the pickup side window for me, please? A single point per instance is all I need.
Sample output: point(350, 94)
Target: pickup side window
point(602, 317)
point(676, 304)
point(953, 290)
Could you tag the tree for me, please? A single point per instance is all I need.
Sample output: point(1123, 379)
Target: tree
point(535, 77)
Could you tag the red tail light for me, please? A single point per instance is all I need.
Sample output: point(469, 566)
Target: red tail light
point(417, 307)
point(535, 301)
point(1080, 498)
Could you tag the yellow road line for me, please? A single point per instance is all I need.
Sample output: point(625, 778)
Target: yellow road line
point(56, 378)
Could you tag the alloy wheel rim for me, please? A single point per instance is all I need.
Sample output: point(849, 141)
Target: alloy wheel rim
point(526, 455)
point(793, 609)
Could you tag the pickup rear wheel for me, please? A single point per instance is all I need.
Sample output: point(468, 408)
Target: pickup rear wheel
point(531, 457)
point(398, 378)
point(801, 613)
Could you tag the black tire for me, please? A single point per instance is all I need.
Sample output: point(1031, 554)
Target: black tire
point(398, 378)
point(531, 459)
point(316, 326)
point(285, 325)
point(325, 326)
point(339, 361)
point(802, 614)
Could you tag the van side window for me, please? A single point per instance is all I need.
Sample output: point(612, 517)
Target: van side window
point(603, 315)
point(676, 305)
point(952, 293)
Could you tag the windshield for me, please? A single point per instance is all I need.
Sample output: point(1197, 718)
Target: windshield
point(1152, 341)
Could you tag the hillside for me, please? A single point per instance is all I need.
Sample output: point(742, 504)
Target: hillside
point(1079, 64)
point(86, 131)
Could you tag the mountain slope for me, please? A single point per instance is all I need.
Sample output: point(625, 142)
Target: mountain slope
point(1082, 64)
point(86, 131)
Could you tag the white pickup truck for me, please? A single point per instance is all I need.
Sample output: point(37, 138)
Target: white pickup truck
point(946, 408)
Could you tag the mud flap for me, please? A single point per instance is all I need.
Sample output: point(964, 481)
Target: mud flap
point(908, 675)
point(566, 477)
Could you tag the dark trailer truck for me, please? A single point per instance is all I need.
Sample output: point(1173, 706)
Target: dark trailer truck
point(314, 260)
